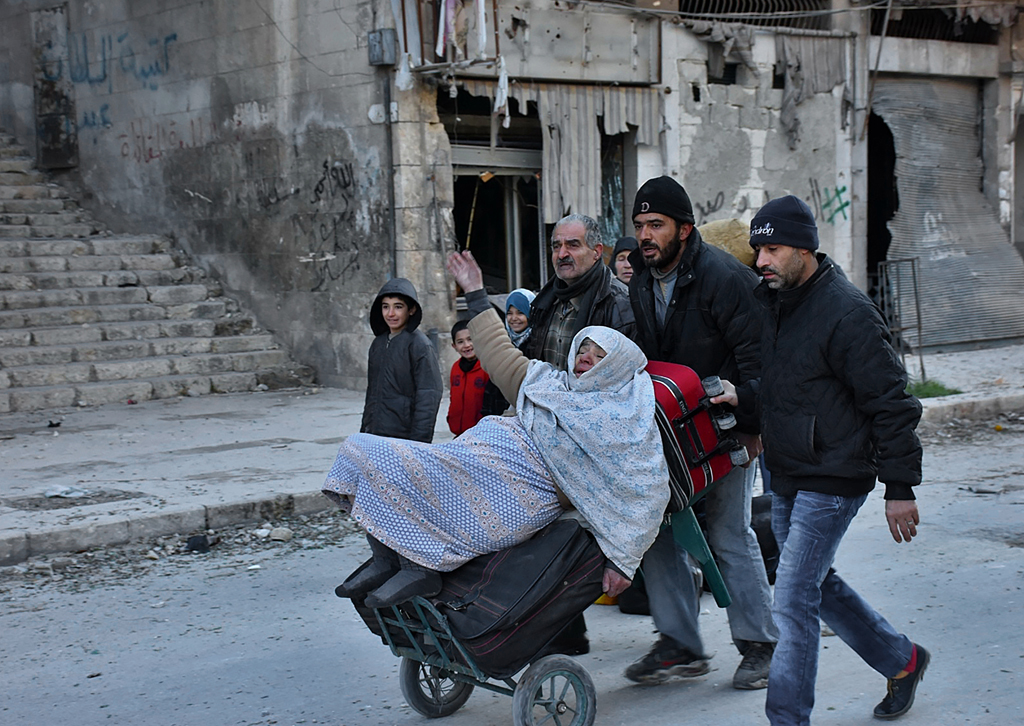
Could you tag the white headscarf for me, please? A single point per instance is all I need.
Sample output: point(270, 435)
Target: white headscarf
point(598, 436)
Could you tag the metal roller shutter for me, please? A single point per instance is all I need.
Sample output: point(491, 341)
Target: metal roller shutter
point(971, 279)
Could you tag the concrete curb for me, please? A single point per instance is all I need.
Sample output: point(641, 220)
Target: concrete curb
point(969, 406)
point(18, 547)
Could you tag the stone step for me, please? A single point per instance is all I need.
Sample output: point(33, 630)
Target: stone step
point(203, 364)
point(102, 246)
point(31, 191)
point(155, 262)
point(10, 152)
point(17, 164)
point(44, 219)
point(13, 231)
point(35, 206)
point(79, 315)
point(115, 331)
point(95, 394)
point(95, 278)
point(26, 299)
point(121, 350)
point(21, 178)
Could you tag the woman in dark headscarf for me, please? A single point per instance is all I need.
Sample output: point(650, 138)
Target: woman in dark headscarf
point(619, 261)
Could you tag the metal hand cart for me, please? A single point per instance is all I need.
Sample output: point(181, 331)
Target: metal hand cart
point(438, 675)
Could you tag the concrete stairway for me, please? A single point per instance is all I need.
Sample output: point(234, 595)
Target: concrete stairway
point(89, 318)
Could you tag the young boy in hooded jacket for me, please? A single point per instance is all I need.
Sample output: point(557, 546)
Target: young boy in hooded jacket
point(404, 385)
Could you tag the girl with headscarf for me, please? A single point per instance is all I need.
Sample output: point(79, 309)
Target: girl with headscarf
point(517, 324)
point(583, 439)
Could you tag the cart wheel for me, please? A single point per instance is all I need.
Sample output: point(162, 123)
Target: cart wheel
point(430, 690)
point(555, 690)
point(713, 386)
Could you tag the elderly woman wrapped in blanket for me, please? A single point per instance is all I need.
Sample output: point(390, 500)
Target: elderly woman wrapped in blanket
point(585, 439)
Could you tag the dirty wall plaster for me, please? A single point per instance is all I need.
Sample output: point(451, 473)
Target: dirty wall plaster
point(726, 146)
point(243, 130)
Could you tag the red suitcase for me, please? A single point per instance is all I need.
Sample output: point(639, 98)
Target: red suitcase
point(693, 431)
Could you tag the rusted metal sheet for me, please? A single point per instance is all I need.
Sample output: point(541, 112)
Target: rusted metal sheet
point(56, 131)
point(971, 278)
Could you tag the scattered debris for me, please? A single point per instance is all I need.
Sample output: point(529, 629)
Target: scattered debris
point(198, 543)
point(66, 492)
point(280, 534)
point(238, 547)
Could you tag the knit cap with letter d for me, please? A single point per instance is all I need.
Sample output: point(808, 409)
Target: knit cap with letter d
point(784, 221)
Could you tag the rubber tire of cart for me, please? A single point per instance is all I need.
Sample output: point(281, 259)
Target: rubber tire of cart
point(555, 684)
point(429, 691)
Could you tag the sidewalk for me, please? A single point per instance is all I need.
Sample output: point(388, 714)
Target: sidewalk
point(123, 473)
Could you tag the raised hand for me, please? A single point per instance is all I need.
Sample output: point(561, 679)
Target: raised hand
point(463, 267)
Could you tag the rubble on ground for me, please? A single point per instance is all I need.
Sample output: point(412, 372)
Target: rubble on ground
point(238, 546)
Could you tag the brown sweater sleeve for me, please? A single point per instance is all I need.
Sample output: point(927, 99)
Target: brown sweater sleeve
point(503, 362)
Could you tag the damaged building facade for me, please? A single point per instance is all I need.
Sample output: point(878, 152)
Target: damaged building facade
point(305, 152)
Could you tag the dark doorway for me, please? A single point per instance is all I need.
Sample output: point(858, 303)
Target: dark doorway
point(883, 197)
point(490, 212)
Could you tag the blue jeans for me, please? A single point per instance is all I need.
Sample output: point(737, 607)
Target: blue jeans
point(809, 528)
point(672, 593)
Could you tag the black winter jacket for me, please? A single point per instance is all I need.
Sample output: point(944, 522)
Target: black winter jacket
point(404, 386)
point(834, 408)
point(713, 323)
point(611, 309)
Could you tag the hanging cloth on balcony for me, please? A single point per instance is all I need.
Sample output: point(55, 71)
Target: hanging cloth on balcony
point(571, 158)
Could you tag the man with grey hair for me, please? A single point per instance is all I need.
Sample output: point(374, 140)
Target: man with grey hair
point(582, 292)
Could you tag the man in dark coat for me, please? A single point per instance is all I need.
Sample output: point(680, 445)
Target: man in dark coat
point(835, 415)
point(694, 305)
point(583, 292)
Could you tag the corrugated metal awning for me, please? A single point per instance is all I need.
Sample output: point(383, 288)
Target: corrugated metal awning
point(971, 278)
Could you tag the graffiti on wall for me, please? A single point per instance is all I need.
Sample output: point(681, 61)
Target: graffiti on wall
point(829, 205)
point(712, 206)
point(327, 227)
point(147, 140)
point(143, 60)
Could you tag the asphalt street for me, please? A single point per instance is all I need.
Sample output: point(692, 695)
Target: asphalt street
point(244, 635)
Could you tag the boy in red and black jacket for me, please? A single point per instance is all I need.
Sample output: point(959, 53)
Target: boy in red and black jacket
point(468, 381)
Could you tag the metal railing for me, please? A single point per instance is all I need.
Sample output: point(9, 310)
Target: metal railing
point(897, 292)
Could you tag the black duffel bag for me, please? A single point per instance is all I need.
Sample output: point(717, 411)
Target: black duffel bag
point(506, 606)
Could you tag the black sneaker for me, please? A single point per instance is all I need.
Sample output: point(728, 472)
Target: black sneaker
point(900, 697)
point(666, 660)
point(752, 673)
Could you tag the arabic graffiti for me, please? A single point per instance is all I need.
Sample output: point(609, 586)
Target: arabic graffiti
point(333, 249)
point(96, 119)
point(144, 61)
point(148, 140)
point(712, 206)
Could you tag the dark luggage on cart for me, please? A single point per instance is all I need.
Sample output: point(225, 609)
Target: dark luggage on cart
point(498, 611)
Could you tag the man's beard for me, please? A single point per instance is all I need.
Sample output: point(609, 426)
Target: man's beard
point(665, 256)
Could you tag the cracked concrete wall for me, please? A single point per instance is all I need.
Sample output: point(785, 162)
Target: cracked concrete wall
point(728, 149)
point(252, 132)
